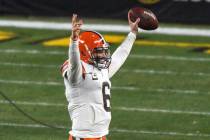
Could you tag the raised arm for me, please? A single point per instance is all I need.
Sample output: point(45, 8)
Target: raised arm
point(75, 66)
point(122, 52)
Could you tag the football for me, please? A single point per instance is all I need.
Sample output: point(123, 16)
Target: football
point(148, 19)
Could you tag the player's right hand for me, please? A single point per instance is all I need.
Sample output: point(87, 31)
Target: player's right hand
point(76, 27)
point(133, 25)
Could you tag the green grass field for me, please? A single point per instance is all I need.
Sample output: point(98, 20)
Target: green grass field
point(160, 93)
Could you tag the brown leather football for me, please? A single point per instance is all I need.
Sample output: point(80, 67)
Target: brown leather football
point(148, 20)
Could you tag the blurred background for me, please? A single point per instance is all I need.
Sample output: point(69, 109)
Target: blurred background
point(179, 11)
point(162, 91)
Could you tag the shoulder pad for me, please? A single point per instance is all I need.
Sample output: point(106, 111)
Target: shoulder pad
point(64, 68)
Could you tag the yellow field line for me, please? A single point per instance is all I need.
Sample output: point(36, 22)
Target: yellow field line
point(176, 44)
point(119, 38)
point(6, 35)
point(65, 41)
point(207, 51)
point(62, 42)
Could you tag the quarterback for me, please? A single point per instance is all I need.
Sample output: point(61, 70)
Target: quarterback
point(86, 76)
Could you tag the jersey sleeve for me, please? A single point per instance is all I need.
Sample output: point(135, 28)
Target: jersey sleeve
point(121, 53)
point(74, 72)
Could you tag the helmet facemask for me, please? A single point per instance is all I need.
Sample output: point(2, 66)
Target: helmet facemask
point(101, 57)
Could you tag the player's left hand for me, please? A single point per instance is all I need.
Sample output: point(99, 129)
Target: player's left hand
point(133, 25)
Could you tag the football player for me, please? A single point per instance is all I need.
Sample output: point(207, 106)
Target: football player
point(86, 77)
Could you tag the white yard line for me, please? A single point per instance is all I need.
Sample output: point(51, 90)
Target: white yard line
point(22, 125)
point(144, 71)
point(179, 91)
point(27, 103)
point(129, 88)
point(28, 65)
point(167, 57)
point(29, 125)
point(117, 130)
point(162, 111)
point(132, 109)
point(43, 83)
point(160, 133)
point(135, 56)
point(32, 51)
point(101, 27)
point(167, 72)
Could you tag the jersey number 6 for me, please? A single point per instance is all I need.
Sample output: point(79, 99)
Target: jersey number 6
point(106, 96)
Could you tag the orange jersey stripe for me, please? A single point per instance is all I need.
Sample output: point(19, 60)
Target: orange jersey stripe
point(65, 66)
point(101, 138)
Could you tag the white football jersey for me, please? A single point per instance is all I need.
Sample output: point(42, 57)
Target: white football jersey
point(88, 91)
point(89, 103)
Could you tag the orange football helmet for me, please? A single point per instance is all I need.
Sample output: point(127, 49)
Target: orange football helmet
point(94, 49)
